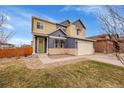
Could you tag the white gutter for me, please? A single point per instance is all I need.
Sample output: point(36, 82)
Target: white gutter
point(57, 37)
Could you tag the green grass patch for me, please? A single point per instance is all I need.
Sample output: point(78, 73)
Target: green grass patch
point(82, 74)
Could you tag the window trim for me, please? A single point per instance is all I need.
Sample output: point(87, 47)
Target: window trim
point(59, 43)
point(39, 25)
point(78, 31)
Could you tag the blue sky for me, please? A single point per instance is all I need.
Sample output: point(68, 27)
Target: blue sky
point(19, 18)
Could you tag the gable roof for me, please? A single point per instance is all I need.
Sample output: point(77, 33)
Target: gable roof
point(104, 37)
point(61, 24)
point(33, 17)
point(64, 22)
point(80, 22)
point(98, 36)
point(59, 30)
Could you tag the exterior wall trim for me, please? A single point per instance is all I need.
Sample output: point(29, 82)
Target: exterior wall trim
point(42, 20)
point(47, 45)
point(56, 37)
point(33, 44)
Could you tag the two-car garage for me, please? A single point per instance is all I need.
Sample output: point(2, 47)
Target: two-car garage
point(85, 47)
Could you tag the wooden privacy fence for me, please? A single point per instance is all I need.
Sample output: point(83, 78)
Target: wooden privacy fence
point(15, 52)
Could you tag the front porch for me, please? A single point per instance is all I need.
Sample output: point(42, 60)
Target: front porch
point(40, 44)
point(52, 46)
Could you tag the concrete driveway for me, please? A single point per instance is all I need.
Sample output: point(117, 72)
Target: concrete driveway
point(41, 61)
point(106, 58)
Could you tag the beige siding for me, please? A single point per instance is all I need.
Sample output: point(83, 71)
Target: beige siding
point(72, 31)
point(83, 32)
point(48, 27)
point(85, 47)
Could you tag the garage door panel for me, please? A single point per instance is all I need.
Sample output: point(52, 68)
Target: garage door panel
point(85, 47)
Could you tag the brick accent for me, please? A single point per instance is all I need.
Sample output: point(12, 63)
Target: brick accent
point(72, 51)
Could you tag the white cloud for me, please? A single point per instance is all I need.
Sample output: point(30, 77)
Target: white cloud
point(87, 9)
point(29, 13)
point(20, 41)
point(26, 15)
point(49, 18)
point(8, 17)
point(8, 26)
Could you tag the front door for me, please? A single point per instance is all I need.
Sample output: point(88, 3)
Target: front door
point(41, 47)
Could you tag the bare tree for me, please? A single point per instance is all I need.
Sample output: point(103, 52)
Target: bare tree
point(112, 23)
point(5, 35)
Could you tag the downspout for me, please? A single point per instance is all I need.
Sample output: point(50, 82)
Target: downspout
point(33, 44)
point(47, 45)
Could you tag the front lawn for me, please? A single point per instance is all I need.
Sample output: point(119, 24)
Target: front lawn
point(82, 74)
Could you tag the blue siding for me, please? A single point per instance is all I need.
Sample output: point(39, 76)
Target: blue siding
point(51, 42)
point(69, 42)
point(58, 33)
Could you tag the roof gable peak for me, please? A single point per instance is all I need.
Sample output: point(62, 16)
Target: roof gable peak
point(79, 20)
point(59, 30)
point(65, 21)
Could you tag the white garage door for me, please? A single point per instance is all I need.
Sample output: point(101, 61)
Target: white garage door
point(85, 47)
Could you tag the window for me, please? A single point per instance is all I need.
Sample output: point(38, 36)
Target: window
point(56, 43)
point(62, 44)
point(39, 25)
point(78, 31)
point(59, 43)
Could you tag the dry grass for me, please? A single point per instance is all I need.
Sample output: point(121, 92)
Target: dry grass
point(82, 74)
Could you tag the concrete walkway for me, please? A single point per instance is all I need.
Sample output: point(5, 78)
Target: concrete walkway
point(106, 58)
point(45, 59)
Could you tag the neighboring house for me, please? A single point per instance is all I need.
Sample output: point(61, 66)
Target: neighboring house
point(60, 38)
point(6, 45)
point(25, 45)
point(104, 44)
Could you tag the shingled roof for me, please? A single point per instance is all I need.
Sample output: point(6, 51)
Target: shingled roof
point(80, 22)
point(65, 23)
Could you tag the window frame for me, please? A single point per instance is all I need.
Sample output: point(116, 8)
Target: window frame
point(39, 25)
point(78, 31)
point(59, 43)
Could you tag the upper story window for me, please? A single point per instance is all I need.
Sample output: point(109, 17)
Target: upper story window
point(78, 31)
point(39, 25)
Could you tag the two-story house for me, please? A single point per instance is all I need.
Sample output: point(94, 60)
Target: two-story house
point(60, 38)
